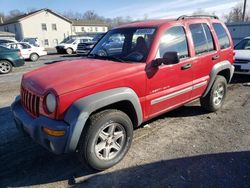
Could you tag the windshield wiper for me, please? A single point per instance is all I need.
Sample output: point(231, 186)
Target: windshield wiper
point(114, 58)
point(105, 57)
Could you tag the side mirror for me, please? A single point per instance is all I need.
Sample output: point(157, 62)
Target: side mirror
point(169, 58)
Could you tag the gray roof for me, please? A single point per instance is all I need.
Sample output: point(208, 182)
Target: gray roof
point(88, 23)
point(6, 34)
point(24, 16)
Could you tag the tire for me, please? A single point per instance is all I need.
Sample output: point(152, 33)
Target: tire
point(97, 148)
point(69, 51)
point(5, 67)
point(34, 57)
point(215, 98)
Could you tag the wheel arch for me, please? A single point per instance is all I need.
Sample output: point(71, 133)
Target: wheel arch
point(124, 99)
point(224, 68)
point(8, 61)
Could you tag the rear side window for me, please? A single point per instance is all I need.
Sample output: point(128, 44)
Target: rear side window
point(222, 35)
point(174, 40)
point(202, 38)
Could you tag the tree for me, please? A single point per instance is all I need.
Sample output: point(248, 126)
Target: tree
point(235, 15)
point(14, 13)
point(2, 17)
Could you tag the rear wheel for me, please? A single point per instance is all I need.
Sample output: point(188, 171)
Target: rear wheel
point(106, 139)
point(214, 100)
point(34, 57)
point(5, 67)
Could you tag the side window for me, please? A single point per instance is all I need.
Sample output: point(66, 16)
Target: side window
point(174, 40)
point(222, 35)
point(210, 41)
point(243, 45)
point(202, 38)
point(25, 46)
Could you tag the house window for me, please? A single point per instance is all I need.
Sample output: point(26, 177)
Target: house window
point(104, 29)
point(54, 28)
point(96, 29)
point(46, 42)
point(91, 29)
point(44, 27)
point(83, 30)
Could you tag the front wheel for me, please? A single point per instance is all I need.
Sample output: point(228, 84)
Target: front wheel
point(214, 100)
point(69, 51)
point(106, 139)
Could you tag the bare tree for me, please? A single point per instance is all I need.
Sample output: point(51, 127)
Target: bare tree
point(235, 15)
point(14, 13)
point(91, 15)
point(2, 17)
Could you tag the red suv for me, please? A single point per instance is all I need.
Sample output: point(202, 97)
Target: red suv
point(90, 106)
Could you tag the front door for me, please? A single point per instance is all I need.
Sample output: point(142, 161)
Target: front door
point(170, 85)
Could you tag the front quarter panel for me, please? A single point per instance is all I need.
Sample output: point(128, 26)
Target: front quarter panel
point(80, 111)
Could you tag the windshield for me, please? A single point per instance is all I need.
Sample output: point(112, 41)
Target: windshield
point(125, 44)
point(243, 45)
point(97, 37)
point(70, 41)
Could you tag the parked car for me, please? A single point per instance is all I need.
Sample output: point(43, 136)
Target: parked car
point(33, 41)
point(93, 110)
point(70, 46)
point(9, 58)
point(6, 41)
point(28, 51)
point(242, 58)
point(84, 48)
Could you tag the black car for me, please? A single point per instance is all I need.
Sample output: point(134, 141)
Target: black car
point(85, 47)
point(10, 58)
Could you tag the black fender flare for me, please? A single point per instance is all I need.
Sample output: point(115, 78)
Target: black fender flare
point(79, 112)
point(214, 72)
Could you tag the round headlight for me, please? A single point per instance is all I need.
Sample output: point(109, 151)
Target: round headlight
point(51, 102)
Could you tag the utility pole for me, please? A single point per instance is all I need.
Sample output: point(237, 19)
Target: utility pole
point(244, 10)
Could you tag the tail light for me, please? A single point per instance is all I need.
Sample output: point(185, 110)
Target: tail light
point(19, 54)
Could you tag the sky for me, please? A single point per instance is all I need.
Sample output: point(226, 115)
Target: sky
point(136, 9)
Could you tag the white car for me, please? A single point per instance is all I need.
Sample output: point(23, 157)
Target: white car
point(71, 45)
point(242, 57)
point(28, 51)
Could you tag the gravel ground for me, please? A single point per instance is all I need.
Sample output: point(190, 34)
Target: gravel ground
point(183, 148)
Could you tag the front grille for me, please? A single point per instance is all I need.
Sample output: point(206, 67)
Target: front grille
point(30, 102)
point(241, 61)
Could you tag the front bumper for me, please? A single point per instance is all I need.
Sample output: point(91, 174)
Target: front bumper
point(82, 52)
point(60, 49)
point(33, 127)
point(242, 68)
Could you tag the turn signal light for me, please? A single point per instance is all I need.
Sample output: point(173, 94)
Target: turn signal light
point(53, 132)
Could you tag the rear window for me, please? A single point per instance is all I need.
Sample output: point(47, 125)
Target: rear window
point(202, 38)
point(222, 35)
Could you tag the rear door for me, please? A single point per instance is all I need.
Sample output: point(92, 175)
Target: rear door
point(25, 50)
point(205, 56)
point(170, 85)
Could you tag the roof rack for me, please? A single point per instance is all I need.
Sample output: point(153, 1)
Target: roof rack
point(198, 16)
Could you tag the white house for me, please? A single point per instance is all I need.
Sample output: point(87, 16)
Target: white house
point(48, 26)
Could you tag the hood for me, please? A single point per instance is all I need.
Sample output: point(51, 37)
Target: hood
point(67, 76)
point(242, 54)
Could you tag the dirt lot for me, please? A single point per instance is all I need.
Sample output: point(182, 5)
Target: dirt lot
point(184, 148)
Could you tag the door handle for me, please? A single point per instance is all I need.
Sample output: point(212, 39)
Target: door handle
point(215, 57)
point(187, 66)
